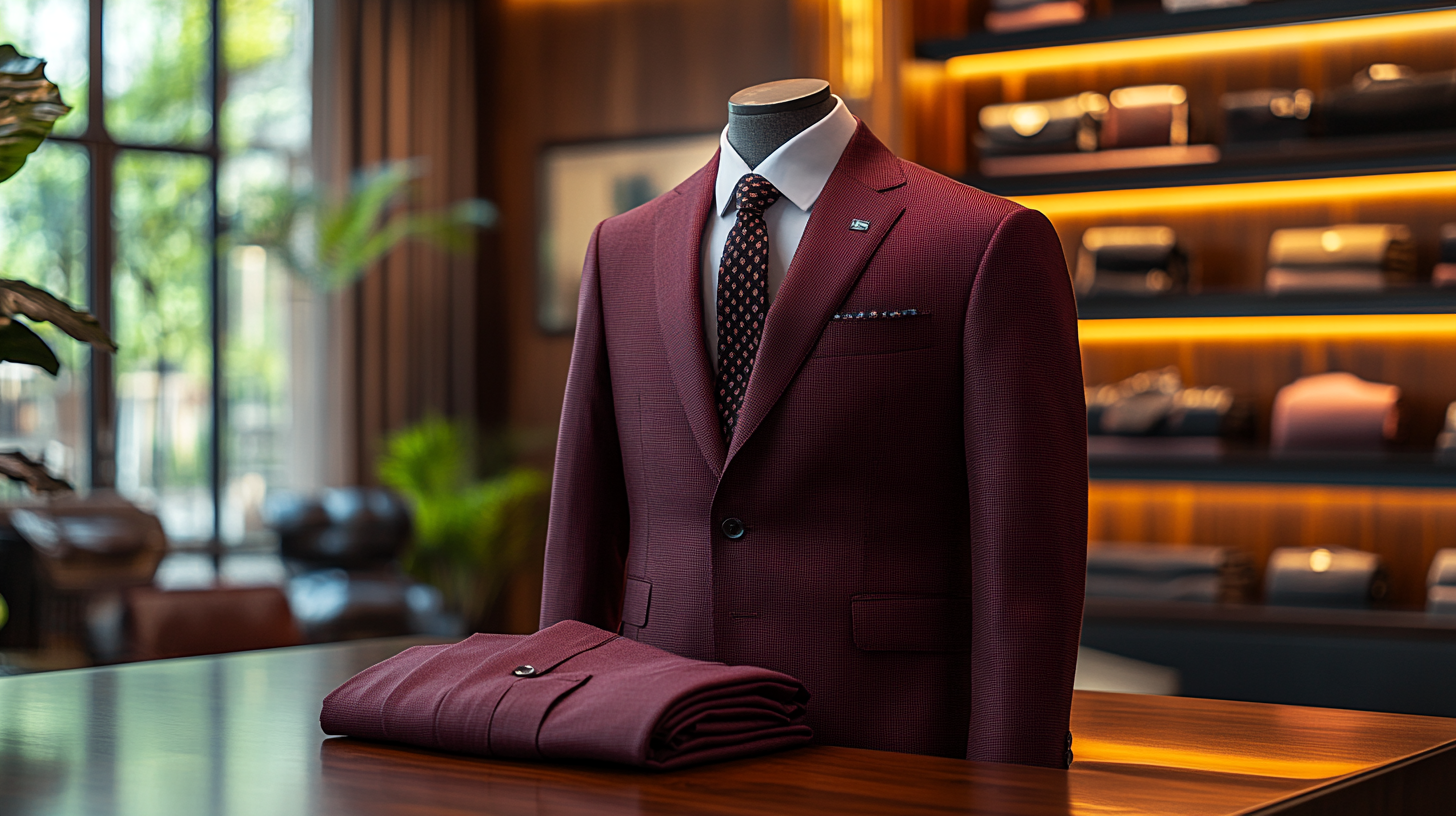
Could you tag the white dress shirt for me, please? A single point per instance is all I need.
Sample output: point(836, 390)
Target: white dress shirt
point(799, 169)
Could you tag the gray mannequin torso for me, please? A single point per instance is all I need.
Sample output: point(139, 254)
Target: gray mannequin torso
point(762, 118)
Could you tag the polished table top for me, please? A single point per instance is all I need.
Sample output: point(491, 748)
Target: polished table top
point(239, 734)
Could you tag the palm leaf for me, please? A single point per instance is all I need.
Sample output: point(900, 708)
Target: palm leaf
point(18, 344)
point(29, 106)
point(20, 298)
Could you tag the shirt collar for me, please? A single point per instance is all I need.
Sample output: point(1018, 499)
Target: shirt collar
point(799, 168)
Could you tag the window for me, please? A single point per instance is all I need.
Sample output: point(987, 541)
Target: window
point(184, 111)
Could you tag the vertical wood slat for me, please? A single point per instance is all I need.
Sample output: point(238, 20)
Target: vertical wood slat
point(405, 334)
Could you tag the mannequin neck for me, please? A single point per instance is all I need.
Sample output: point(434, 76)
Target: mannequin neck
point(755, 137)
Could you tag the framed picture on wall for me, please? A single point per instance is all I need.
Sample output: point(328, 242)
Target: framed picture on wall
point(581, 185)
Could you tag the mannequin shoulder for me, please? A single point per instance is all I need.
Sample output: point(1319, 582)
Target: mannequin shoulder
point(926, 189)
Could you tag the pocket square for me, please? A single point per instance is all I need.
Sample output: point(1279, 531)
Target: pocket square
point(888, 314)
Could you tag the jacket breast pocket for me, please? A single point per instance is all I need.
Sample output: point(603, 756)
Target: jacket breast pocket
point(911, 623)
point(853, 337)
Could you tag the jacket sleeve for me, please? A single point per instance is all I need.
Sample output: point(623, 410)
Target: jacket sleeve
point(587, 535)
point(1026, 463)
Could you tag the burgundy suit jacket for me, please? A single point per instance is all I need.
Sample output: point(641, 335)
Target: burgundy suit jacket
point(913, 491)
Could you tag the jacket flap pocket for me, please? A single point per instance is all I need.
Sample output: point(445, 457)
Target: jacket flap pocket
point(845, 338)
point(635, 602)
point(515, 727)
point(911, 623)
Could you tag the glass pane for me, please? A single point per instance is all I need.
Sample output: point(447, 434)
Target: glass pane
point(43, 232)
point(275, 325)
point(158, 81)
point(271, 322)
point(55, 31)
point(267, 51)
point(163, 221)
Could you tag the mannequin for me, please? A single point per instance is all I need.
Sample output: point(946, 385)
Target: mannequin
point(762, 118)
point(899, 516)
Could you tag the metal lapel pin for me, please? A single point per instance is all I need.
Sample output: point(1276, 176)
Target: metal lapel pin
point(859, 225)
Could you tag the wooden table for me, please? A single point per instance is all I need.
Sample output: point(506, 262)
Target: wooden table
point(239, 734)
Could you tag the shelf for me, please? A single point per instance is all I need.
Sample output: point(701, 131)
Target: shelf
point(1402, 470)
point(1288, 160)
point(1149, 25)
point(1254, 304)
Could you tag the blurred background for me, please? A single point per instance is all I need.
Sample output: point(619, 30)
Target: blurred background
point(338, 246)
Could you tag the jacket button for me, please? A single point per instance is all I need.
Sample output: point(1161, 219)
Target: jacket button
point(524, 671)
point(733, 528)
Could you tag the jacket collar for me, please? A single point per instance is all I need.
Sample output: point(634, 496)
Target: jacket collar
point(829, 260)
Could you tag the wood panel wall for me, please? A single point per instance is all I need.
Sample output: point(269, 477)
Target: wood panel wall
point(587, 71)
point(401, 79)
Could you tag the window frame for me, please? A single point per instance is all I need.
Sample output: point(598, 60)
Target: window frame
point(102, 151)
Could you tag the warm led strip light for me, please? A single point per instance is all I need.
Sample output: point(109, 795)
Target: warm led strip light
point(1201, 44)
point(1258, 193)
point(1282, 327)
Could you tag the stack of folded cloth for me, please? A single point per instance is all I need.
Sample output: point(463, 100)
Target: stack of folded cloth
point(1446, 439)
point(1024, 15)
point(1324, 576)
point(1388, 98)
point(1441, 583)
point(1342, 258)
point(1146, 116)
point(1155, 403)
point(1336, 411)
point(1065, 125)
point(1137, 261)
point(570, 692)
point(1167, 573)
point(1444, 274)
point(1267, 114)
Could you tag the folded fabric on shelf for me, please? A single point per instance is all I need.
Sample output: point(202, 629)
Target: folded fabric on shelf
point(1378, 246)
point(1179, 6)
point(1281, 280)
point(1441, 583)
point(1045, 126)
point(570, 692)
point(1334, 411)
point(1320, 576)
point(1040, 15)
point(1155, 403)
point(1342, 257)
point(1446, 439)
point(1166, 572)
point(1266, 114)
point(1136, 261)
point(1146, 116)
point(1388, 98)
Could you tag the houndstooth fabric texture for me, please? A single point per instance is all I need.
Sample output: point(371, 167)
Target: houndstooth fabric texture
point(742, 300)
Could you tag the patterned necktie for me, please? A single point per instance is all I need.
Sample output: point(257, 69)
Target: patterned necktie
point(742, 301)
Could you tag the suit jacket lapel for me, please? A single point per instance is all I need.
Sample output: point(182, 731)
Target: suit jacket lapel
point(677, 265)
point(826, 265)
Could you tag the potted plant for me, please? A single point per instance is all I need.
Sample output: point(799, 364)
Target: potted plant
point(29, 106)
point(475, 521)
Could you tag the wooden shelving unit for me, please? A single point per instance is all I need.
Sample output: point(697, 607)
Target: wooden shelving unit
point(1243, 496)
point(1144, 25)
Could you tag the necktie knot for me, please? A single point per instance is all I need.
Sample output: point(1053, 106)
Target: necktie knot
point(754, 194)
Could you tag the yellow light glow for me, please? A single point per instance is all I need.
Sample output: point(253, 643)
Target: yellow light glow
point(1201, 44)
point(1259, 192)
point(859, 27)
point(1282, 327)
point(1089, 750)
